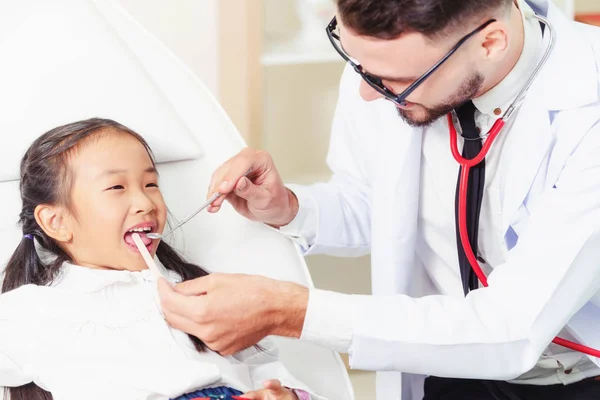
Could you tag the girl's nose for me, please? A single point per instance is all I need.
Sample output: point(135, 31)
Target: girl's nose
point(142, 204)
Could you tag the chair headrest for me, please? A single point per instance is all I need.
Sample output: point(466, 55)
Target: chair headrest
point(51, 75)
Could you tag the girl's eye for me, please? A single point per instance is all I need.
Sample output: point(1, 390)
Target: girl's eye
point(152, 185)
point(116, 187)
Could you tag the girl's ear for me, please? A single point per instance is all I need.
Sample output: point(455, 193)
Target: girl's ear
point(55, 222)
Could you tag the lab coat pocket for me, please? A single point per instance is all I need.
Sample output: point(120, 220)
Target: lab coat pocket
point(519, 223)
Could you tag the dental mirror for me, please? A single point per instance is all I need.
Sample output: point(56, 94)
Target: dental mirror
point(153, 235)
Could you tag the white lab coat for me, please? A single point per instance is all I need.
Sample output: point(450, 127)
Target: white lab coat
point(372, 205)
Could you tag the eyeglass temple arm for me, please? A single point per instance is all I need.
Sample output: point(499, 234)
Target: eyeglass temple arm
point(426, 75)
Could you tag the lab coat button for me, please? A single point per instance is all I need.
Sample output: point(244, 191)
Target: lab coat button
point(497, 111)
point(568, 371)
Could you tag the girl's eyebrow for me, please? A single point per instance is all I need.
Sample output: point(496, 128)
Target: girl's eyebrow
point(123, 171)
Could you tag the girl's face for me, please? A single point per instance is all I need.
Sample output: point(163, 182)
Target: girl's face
point(114, 190)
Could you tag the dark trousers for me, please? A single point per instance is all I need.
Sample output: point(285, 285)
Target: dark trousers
point(469, 389)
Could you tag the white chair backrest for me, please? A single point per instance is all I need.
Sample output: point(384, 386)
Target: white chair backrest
point(68, 60)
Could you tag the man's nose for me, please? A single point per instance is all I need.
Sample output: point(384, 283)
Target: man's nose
point(367, 92)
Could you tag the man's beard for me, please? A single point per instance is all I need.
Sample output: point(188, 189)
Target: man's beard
point(466, 92)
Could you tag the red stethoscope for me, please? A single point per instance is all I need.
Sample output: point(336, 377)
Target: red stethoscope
point(464, 179)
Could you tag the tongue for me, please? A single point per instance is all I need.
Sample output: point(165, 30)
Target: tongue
point(129, 239)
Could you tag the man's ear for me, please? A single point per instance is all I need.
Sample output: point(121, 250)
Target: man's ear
point(495, 42)
point(54, 221)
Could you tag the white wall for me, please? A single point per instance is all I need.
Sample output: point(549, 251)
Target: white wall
point(578, 6)
point(188, 27)
point(567, 6)
point(587, 5)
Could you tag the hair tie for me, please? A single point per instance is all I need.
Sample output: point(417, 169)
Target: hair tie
point(28, 236)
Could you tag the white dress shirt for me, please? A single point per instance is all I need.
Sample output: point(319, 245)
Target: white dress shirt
point(99, 334)
point(436, 244)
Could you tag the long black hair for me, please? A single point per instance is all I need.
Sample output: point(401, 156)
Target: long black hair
point(46, 179)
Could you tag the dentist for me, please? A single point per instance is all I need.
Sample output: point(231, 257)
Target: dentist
point(486, 274)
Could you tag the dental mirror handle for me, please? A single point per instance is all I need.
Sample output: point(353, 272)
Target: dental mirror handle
point(216, 196)
point(208, 203)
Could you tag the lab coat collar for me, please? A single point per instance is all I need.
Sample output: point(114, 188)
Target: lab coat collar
point(566, 84)
point(503, 94)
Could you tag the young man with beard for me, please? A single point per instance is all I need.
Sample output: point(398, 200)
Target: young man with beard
point(471, 303)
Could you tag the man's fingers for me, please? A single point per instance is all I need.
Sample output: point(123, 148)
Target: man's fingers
point(225, 188)
point(254, 395)
point(247, 160)
point(274, 385)
point(180, 304)
point(164, 285)
point(242, 187)
point(166, 291)
point(225, 178)
point(240, 205)
point(247, 190)
point(195, 287)
point(238, 186)
point(236, 201)
point(215, 182)
point(243, 177)
point(183, 324)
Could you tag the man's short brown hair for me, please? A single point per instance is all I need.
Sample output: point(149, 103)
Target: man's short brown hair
point(388, 19)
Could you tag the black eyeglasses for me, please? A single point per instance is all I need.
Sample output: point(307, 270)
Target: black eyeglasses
point(375, 82)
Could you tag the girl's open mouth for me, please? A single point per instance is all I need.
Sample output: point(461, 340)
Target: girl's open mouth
point(142, 231)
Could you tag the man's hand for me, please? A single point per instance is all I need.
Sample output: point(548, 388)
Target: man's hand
point(230, 313)
point(261, 196)
point(272, 391)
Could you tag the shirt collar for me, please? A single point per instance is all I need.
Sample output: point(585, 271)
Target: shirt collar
point(494, 102)
point(81, 279)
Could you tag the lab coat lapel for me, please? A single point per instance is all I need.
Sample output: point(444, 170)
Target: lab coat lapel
point(532, 141)
point(394, 223)
point(528, 145)
point(539, 6)
point(397, 179)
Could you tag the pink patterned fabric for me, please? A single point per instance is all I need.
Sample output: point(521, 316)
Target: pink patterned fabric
point(302, 395)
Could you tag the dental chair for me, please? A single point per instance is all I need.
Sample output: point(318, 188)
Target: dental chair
point(67, 60)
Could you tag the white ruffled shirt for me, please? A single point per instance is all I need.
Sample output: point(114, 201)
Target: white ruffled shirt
point(98, 334)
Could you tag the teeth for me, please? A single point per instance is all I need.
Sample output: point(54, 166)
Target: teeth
point(145, 229)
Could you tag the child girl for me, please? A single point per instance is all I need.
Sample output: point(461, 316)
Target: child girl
point(80, 316)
